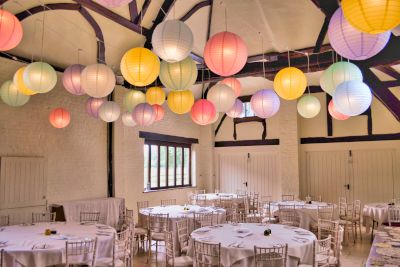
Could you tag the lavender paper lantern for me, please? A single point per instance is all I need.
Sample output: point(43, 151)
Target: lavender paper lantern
point(144, 114)
point(72, 79)
point(127, 119)
point(93, 105)
point(236, 110)
point(265, 103)
point(351, 43)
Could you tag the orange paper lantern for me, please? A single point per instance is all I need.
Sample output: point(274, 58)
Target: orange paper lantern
point(59, 118)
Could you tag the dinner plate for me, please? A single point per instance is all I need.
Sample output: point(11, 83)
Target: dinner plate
point(242, 230)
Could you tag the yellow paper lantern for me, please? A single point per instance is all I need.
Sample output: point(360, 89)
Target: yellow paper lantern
point(373, 17)
point(290, 83)
point(180, 102)
point(155, 95)
point(19, 82)
point(140, 66)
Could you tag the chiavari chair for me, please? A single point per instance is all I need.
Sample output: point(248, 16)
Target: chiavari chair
point(121, 251)
point(288, 215)
point(4, 220)
point(89, 217)
point(333, 229)
point(43, 217)
point(203, 219)
point(321, 251)
point(207, 254)
point(75, 250)
point(157, 225)
point(168, 202)
point(170, 258)
point(182, 228)
point(271, 256)
point(287, 197)
point(394, 216)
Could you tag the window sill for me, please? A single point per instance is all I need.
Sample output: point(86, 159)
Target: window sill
point(168, 189)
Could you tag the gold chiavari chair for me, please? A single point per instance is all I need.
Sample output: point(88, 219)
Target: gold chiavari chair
point(287, 197)
point(43, 217)
point(288, 215)
point(74, 250)
point(168, 202)
point(321, 251)
point(157, 225)
point(254, 218)
point(182, 227)
point(328, 228)
point(323, 213)
point(170, 258)
point(203, 219)
point(121, 251)
point(4, 220)
point(207, 254)
point(89, 217)
point(275, 256)
point(201, 200)
point(141, 231)
point(394, 216)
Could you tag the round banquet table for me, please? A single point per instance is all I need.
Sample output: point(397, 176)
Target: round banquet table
point(307, 212)
point(21, 241)
point(177, 212)
point(300, 242)
point(375, 212)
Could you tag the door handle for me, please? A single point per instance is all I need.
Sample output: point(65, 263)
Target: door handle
point(245, 183)
point(347, 186)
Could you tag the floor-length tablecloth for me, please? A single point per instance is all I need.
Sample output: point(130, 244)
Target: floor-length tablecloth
point(20, 251)
point(375, 212)
point(300, 242)
point(109, 208)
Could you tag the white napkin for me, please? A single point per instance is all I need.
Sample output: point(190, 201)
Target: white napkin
point(242, 235)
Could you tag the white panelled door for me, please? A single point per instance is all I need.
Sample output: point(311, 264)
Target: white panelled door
point(254, 172)
point(366, 175)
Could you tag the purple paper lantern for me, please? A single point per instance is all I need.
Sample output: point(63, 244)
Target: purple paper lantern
point(72, 79)
point(236, 110)
point(144, 114)
point(113, 3)
point(351, 43)
point(93, 105)
point(265, 103)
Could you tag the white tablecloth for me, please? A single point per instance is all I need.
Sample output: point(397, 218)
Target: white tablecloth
point(177, 212)
point(213, 198)
point(307, 212)
point(244, 256)
point(21, 239)
point(109, 209)
point(377, 212)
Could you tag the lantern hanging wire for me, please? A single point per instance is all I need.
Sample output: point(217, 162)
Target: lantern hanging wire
point(308, 71)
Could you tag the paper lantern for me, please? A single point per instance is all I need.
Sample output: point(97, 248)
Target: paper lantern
point(11, 95)
point(18, 80)
point(222, 96)
point(133, 98)
point(338, 73)
point(236, 110)
point(350, 43)
point(155, 95)
point(179, 75)
point(113, 3)
point(40, 77)
point(308, 106)
point(72, 79)
point(202, 112)
point(97, 80)
point(172, 40)
point(372, 16)
point(143, 114)
point(265, 103)
point(225, 54)
point(93, 105)
point(59, 118)
point(290, 83)
point(140, 66)
point(159, 112)
point(109, 111)
point(336, 114)
point(234, 84)
point(180, 102)
point(352, 98)
point(127, 119)
point(216, 117)
point(10, 30)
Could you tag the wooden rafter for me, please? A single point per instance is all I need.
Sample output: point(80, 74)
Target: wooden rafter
point(195, 8)
point(133, 12)
point(389, 71)
point(328, 7)
point(142, 13)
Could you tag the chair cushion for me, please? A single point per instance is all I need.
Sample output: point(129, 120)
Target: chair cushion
point(157, 236)
point(107, 262)
point(182, 261)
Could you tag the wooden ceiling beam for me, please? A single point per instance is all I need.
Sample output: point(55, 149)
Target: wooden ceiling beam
point(194, 9)
point(389, 71)
point(142, 13)
point(328, 7)
point(133, 11)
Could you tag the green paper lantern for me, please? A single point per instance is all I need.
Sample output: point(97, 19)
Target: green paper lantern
point(12, 96)
point(132, 99)
point(337, 73)
point(179, 75)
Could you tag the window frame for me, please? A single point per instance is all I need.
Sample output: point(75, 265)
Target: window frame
point(167, 145)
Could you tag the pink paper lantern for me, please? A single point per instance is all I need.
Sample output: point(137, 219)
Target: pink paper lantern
point(93, 105)
point(59, 118)
point(234, 84)
point(336, 114)
point(225, 54)
point(113, 3)
point(351, 43)
point(72, 79)
point(159, 112)
point(144, 114)
point(10, 30)
point(203, 112)
point(236, 109)
point(265, 103)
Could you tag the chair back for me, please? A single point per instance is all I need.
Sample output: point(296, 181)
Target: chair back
point(328, 228)
point(236, 217)
point(200, 191)
point(265, 209)
point(158, 223)
point(254, 218)
point(43, 217)
point(288, 215)
point(322, 249)
point(394, 216)
point(74, 250)
point(168, 202)
point(343, 208)
point(182, 228)
point(325, 212)
point(225, 202)
point(142, 204)
point(129, 213)
point(275, 256)
point(4, 220)
point(89, 216)
point(201, 200)
point(207, 254)
point(203, 219)
point(287, 197)
point(122, 248)
point(253, 202)
point(357, 209)
point(1, 257)
point(169, 248)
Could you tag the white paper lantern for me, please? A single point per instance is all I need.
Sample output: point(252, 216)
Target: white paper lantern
point(337, 73)
point(222, 96)
point(97, 80)
point(265, 103)
point(109, 111)
point(13, 97)
point(127, 119)
point(236, 110)
point(144, 114)
point(132, 99)
point(40, 77)
point(352, 98)
point(308, 106)
point(172, 40)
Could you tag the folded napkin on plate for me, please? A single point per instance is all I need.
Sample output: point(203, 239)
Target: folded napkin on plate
point(206, 238)
point(201, 231)
point(242, 235)
point(236, 245)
